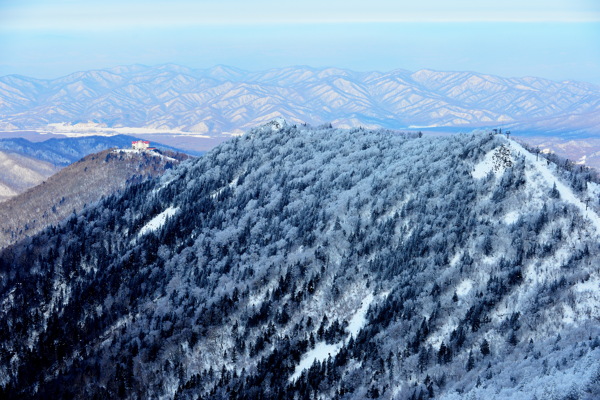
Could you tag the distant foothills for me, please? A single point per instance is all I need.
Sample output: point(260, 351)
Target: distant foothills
point(222, 101)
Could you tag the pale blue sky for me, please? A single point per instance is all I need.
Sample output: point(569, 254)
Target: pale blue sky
point(557, 39)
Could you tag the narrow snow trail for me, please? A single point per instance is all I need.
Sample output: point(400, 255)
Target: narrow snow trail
point(566, 193)
point(359, 320)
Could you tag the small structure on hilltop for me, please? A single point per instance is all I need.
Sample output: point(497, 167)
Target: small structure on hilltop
point(499, 132)
point(141, 145)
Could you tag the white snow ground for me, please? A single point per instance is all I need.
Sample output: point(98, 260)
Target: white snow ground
point(566, 193)
point(542, 171)
point(158, 221)
point(484, 167)
point(322, 350)
point(359, 319)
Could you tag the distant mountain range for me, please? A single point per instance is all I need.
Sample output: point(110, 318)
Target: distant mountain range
point(222, 99)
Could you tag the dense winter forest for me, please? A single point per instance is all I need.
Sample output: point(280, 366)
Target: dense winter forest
point(314, 263)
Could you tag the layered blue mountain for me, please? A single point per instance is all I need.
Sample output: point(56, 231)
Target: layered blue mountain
point(298, 262)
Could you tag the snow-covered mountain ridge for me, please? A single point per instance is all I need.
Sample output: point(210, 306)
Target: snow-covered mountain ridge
point(171, 98)
point(298, 262)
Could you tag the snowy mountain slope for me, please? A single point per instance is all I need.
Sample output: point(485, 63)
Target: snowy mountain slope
point(296, 262)
point(25, 164)
point(581, 151)
point(20, 172)
point(224, 99)
point(72, 188)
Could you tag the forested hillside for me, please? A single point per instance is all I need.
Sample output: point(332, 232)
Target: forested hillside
point(81, 183)
point(298, 262)
point(65, 151)
point(25, 164)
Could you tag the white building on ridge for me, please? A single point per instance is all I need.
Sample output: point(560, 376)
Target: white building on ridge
point(140, 145)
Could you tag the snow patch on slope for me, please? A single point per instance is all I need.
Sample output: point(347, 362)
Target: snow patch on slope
point(359, 319)
point(511, 217)
point(484, 167)
point(320, 353)
point(6, 192)
point(158, 221)
point(231, 184)
point(148, 152)
point(496, 160)
point(591, 285)
point(436, 339)
point(464, 287)
point(322, 350)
